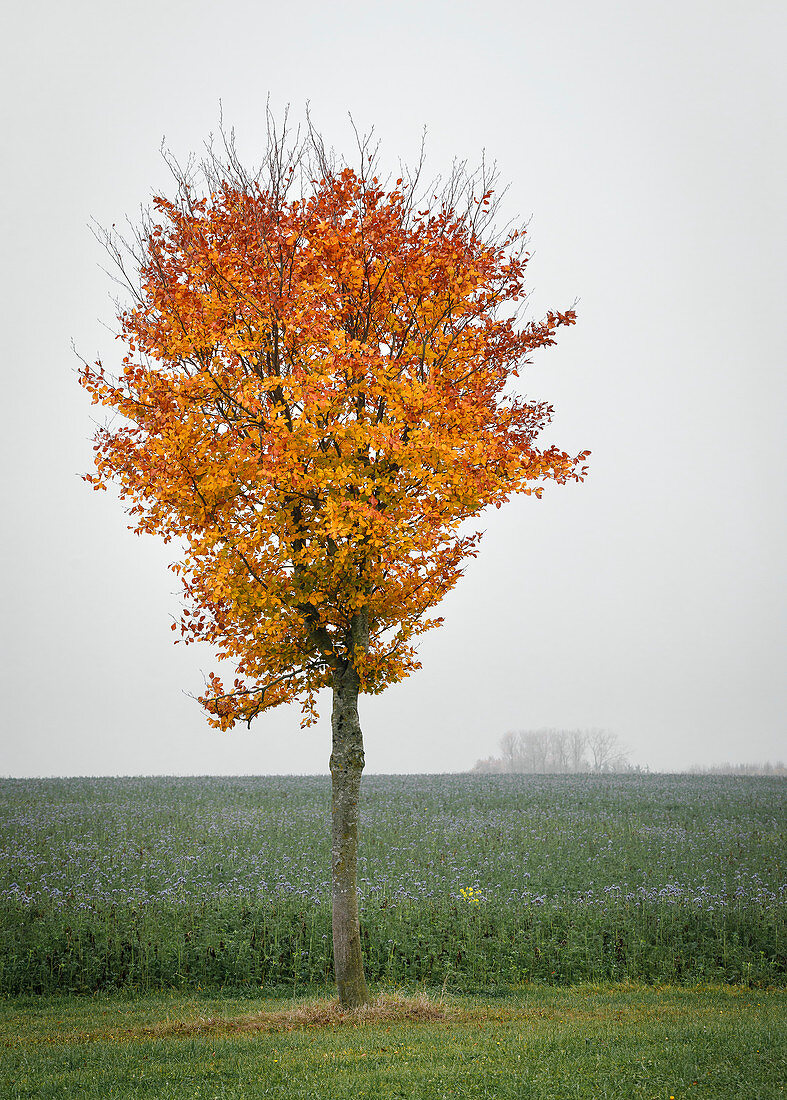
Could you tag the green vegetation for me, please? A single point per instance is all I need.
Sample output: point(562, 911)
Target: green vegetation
point(583, 1043)
point(467, 882)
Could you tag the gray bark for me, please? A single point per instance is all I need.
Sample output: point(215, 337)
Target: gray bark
point(347, 761)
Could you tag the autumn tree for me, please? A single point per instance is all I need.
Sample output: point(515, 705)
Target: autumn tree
point(315, 397)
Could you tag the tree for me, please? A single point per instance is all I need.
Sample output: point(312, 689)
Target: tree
point(315, 399)
point(509, 751)
point(577, 741)
point(605, 749)
point(550, 751)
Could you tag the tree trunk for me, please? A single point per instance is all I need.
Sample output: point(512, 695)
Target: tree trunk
point(347, 762)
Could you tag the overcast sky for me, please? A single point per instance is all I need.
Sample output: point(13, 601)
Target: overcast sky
point(646, 141)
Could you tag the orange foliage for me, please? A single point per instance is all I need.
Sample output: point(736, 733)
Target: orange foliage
point(315, 398)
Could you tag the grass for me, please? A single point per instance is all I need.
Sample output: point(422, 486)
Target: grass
point(579, 1043)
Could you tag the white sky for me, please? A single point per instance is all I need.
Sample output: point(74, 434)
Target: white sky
point(647, 142)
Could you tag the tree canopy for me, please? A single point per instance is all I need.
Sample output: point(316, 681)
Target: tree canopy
point(316, 395)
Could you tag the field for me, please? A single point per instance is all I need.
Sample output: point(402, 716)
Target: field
point(469, 883)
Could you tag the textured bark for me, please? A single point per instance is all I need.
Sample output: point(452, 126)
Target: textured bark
point(347, 762)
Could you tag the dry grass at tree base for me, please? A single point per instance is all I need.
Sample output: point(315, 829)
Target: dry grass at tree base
point(385, 1008)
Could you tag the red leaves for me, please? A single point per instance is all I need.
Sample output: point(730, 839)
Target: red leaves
point(312, 404)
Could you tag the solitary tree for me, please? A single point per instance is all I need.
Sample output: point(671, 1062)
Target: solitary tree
point(314, 399)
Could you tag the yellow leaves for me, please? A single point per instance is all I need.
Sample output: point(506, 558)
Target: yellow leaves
point(315, 417)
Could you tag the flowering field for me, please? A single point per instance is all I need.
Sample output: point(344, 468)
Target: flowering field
point(467, 881)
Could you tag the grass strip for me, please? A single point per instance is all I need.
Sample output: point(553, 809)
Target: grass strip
point(549, 1043)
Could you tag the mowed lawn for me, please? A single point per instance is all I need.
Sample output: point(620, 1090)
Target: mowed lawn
point(590, 1041)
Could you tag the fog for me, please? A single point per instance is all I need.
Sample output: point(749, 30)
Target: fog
point(646, 144)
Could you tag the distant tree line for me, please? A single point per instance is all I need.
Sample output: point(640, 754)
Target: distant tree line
point(778, 767)
point(557, 751)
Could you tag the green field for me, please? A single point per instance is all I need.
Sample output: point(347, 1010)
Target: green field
point(548, 1043)
point(146, 884)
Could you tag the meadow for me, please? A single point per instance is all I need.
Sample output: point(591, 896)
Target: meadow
point(468, 882)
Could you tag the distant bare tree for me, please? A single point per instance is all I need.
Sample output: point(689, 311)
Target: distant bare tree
point(509, 749)
point(560, 750)
point(537, 749)
point(545, 751)
point(606, 753)
point(577, 742)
